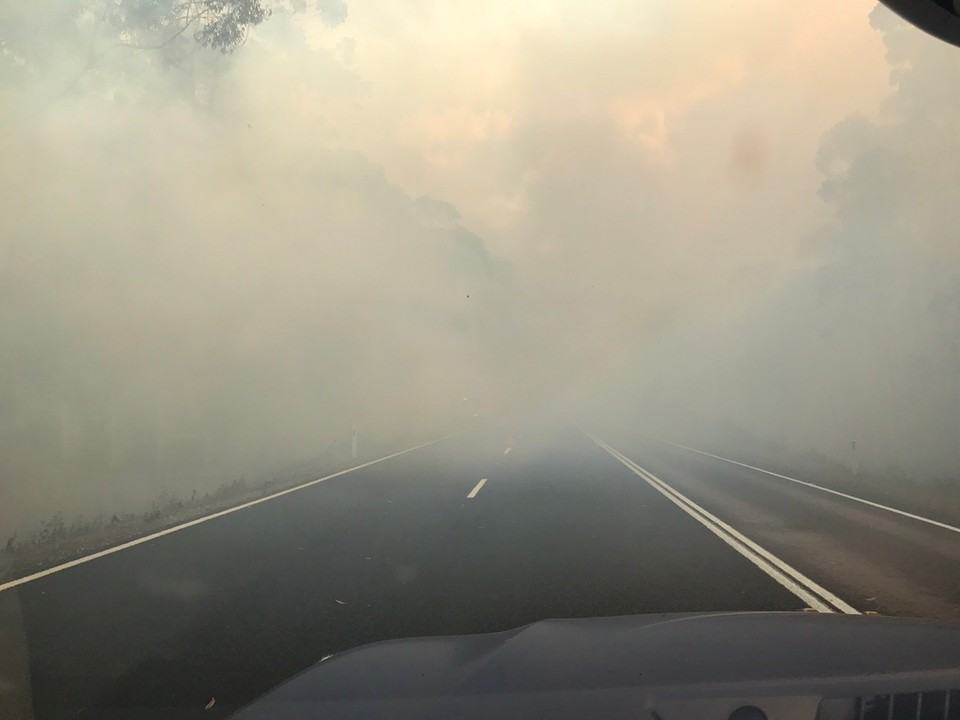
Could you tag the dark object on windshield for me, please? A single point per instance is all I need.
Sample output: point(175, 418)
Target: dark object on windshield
point(940, 18)
point(748, 666)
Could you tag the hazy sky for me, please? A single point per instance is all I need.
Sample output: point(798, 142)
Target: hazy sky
point(628, 160)
point(492, 105)
point(735, 214)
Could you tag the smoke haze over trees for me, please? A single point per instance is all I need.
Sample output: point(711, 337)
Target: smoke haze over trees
point(233, 231)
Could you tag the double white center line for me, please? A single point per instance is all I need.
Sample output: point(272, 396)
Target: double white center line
point(476, 489)
point(789, 577)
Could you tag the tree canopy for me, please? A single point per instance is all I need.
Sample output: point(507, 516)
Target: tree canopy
point(218, 24)
point(54, 46)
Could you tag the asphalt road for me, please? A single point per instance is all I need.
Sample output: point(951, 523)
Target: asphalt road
point(877, 560)
point(418, 545)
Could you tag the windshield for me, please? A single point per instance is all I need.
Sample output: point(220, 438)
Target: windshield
point(326, 322)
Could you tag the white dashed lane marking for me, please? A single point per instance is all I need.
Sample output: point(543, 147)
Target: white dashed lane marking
point(476, 489)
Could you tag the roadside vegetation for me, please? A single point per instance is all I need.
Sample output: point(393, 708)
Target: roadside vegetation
point(61, 538)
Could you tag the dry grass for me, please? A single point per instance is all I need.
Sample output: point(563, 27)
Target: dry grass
point(59, 540)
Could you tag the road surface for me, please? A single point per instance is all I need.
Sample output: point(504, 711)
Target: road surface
point(481, 532)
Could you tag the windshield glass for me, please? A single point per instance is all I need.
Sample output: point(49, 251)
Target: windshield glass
point(326, 322)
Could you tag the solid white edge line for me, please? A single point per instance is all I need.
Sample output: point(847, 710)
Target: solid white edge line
point(904, 513)
point(787, 576)
point(153, 536)
point(476, 489)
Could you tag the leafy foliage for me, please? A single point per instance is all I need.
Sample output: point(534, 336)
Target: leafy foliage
point(225, 24)
point(218, 24)
point(38, 37)
point(59, 47)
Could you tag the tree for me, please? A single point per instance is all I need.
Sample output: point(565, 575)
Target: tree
point(55, 44)
point(218, 24)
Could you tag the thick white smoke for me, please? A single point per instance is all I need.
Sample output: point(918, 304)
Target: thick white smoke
point(212, 264)
point(199, 282)
point(861, 344)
